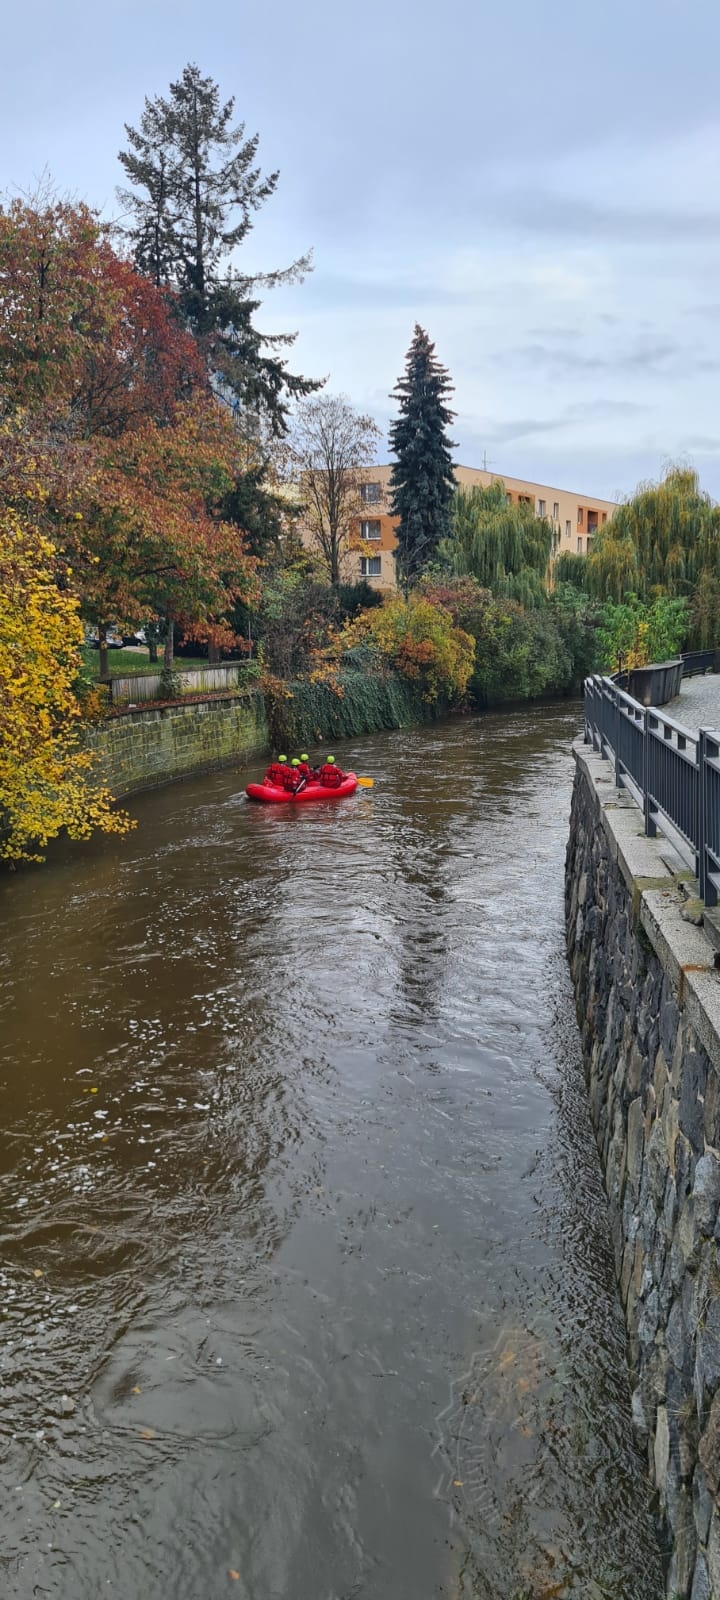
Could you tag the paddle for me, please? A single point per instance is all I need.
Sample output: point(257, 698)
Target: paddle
point(366, 783)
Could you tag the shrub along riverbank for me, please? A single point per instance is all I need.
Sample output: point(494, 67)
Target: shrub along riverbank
point(358, 703)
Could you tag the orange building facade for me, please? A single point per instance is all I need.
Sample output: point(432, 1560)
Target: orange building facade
point(575, 518)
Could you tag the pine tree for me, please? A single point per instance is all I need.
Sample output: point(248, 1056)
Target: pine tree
point(422, 482)
point(195, 187)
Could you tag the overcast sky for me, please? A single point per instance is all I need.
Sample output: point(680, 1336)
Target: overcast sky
point(535, 181)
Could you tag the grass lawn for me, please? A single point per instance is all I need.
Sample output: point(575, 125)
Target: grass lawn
point(123, 662)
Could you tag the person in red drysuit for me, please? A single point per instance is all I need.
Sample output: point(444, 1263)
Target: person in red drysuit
point(277, 773)
point(305, 769)
point(330, 774)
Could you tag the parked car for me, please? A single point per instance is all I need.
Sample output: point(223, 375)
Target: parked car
point(113, 639)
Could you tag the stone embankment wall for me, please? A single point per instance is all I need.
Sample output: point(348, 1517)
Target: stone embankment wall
point(648, 1004)
point(141, 749)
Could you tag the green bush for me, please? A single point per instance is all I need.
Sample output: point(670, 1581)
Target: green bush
point(633, 633)
point(521, 654)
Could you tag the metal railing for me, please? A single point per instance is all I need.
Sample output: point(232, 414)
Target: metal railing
point(672, 773)
point(700, 661)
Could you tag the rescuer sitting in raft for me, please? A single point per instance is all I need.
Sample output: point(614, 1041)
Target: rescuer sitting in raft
point(283, 774)
point(277, 772)
point(330, 775)
point(306, 770)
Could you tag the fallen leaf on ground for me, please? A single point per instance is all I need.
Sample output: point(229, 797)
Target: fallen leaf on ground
point(147, 1433)
point(458, 1483)
point(233, 1574)
point(136, 1390)
point(36, 1272)
point(93, 1091)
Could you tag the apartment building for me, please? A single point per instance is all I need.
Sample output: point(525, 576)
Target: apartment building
point(575, 518)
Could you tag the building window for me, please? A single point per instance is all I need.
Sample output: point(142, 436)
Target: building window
point(580, 516)
point(370, 493)
point(524, 500)
point(580, 548)
point(541, 508)
point(370, 530)
point(556, 511)
point(370, 566)
point(568, 529)
point(604, 516)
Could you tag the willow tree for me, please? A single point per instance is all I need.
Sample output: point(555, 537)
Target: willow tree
point(664, 541)
point(507, 548)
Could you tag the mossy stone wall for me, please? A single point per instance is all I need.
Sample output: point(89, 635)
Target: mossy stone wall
point(141, 749)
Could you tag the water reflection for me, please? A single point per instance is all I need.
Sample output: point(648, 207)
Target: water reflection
point(305, 1272)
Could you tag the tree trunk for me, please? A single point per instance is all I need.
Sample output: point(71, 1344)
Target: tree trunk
point(102, 641)
point(152, 648)
point(169, 645)
point(214, 655)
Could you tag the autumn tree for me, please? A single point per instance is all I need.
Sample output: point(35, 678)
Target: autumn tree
point(107, 400)
point(194, 189)
point(422, 482)
point(82, 333)
point(46, 780)
point(330, 445)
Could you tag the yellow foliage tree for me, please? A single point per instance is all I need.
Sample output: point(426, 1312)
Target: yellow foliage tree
point(45, 774)
point(421, 641)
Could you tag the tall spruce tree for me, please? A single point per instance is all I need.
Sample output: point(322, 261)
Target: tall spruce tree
point(195, 187)
point(422, 483)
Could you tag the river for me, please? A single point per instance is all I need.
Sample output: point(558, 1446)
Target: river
point(306, 1287)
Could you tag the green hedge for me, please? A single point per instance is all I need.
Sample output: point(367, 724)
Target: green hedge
point(369, 702)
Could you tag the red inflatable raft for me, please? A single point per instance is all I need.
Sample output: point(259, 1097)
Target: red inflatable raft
point(273, 795)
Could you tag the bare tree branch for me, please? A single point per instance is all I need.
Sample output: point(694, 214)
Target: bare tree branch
point(330, 444)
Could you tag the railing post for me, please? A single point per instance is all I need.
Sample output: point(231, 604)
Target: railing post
point(600, 690)
point(700, 871)
point(650, 827)
point(617, 722)
point(706, 888)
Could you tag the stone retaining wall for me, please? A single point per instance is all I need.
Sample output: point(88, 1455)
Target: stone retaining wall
point(143, 748)
point(648, 1004)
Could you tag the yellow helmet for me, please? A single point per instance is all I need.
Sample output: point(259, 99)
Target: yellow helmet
point(294, 762)
point(282, 758)
point(304, 758)
point(331, 760)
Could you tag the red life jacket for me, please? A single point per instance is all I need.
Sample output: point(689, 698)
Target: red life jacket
point(276, 773)
point(330, 775)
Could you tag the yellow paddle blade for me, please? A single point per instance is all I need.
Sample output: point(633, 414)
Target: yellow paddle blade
point(366, 783)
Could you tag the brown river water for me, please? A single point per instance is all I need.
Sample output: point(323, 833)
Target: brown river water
point(305, 1284)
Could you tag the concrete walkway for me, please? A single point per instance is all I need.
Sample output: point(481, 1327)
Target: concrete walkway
point(698, 703)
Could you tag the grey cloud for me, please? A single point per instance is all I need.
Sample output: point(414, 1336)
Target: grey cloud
point(665, 357)
point(524, 428)
point(704, 443)
point(543, 212)
point(579, 411)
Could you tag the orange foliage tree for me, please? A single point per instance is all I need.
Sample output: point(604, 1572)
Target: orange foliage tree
point(113, 441)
